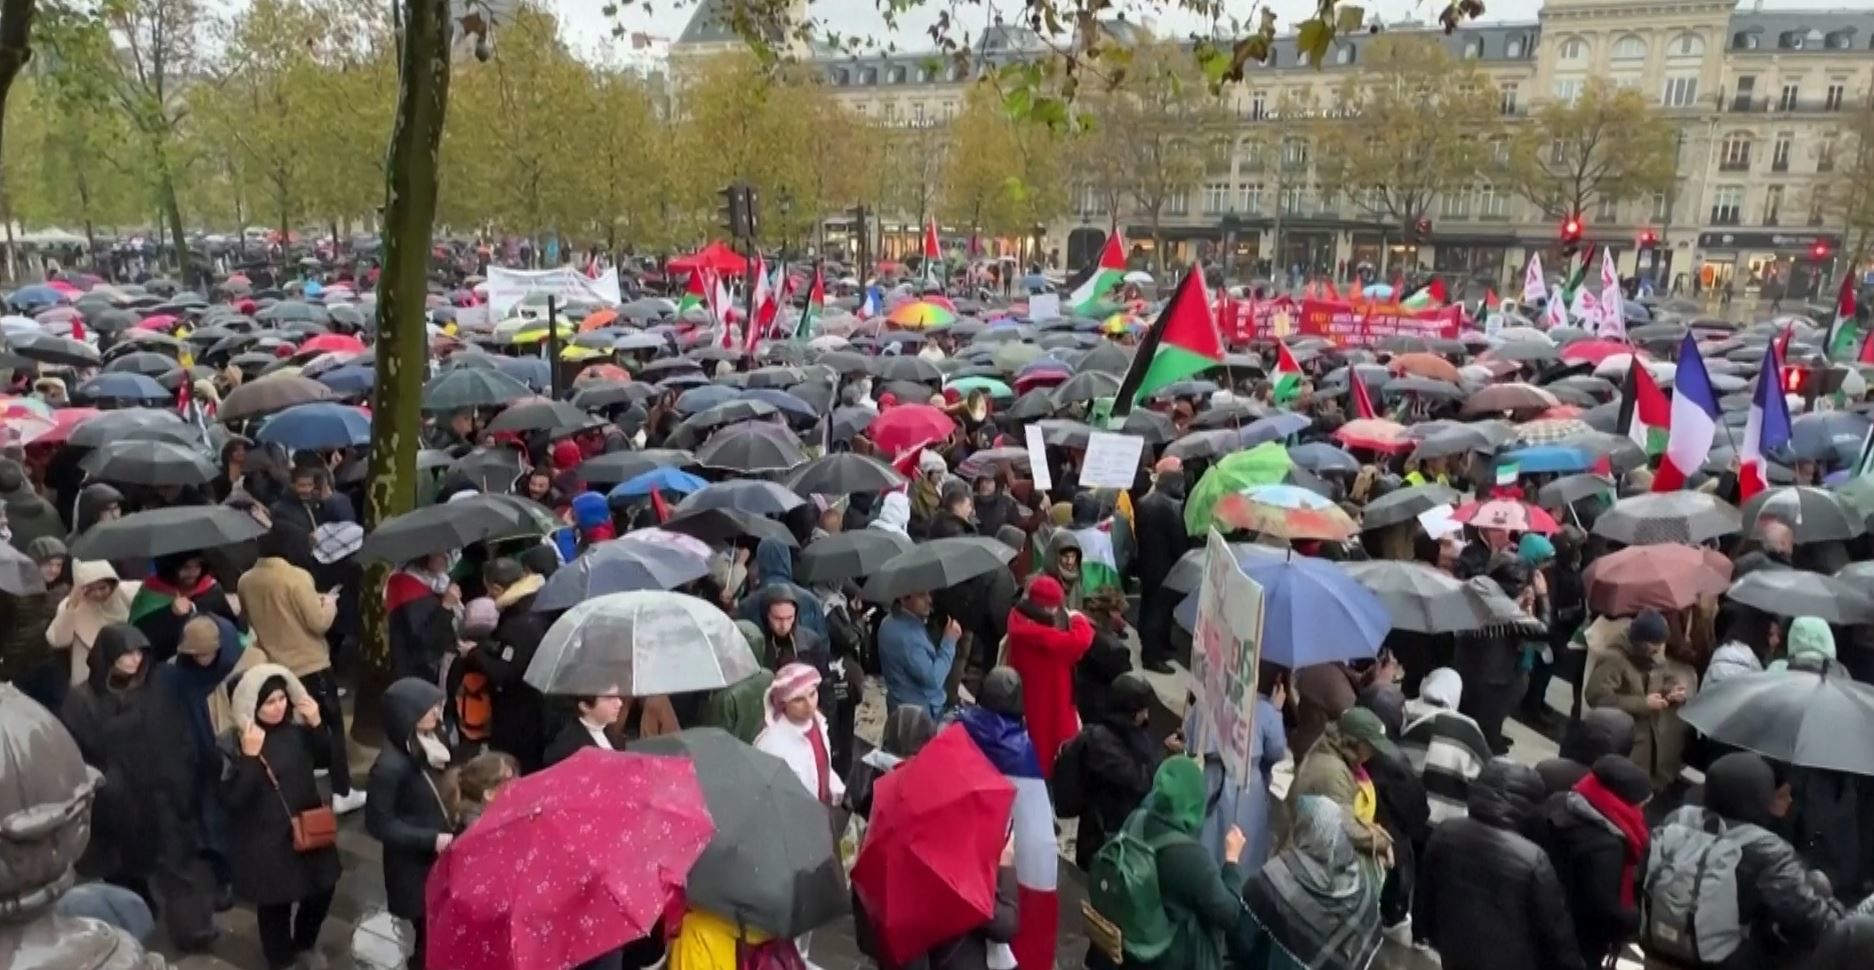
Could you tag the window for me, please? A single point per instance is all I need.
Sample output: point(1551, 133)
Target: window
point(1250, 198)
point(1558, 152)
point(1838, 41)
point(1216, 197)
point(1744, 40)
point(1258, 105)
point(1772, 204)
point(1473, 49)
point(1787, 102)
point(1567, 89)
point(1629, 48)
point(896, 75)
point(955, 73)
point(1686, 45)
point(1178, 202)
point(891, 112)
point(1606, 210)
point(1817, 202)
point(926, 74)
point(1344, 55)
point(1294, 153)
point(1662, 208)
point(1745, 92)
point(1092, 200)
point(1293, 198)
point(1455, 205)
point(917, 114)
point(1825, 154)
point(1779, 155)
point(1329, 202)
point(1790, 40)
point(1832, 101)
point(1506, 98)
point(1680, 92)
point(1250, 158)
point(840, 77)
point(1492, 204)
point(1572, 50)
point(949, 110)
point(869, 76)
point(1726, 203)
point(1514, 48)
point(1734, 153)
point(1500, 150)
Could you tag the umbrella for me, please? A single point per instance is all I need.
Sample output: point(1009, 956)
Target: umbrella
point(772, 865)
point(1509, 397)
point(848, 555)
point(751, 448)
point(149, 463)
point(1667, 576)
point(1265, 464)
point(1505, 513)
point(1284, 511)
point(1320, 457)
point(718, 526)
point(1425, 365)
point(1798, 717)
point(1188, 571)
point(1544, 431)
point(1405, 504)
point(1794, 592)
point(1570, 489)
point(1688, 517)
point(1313, 612)
point(316, 426)
point(1546, 459)
point(1086, 386)
point(938, 824)
point(699, 399)
point(797, 409)
point(19, 574)
point(620, 566)
point(622, 466)
point(1831, 437)
point(1423, 599)
point(96, 429)
point(47, 349)
point(450, 526)
point(1374, 434)
point(639, 644)
point(908, 426)
point(550, 416)
point(120, 386)
point(471, 387)
point(730, 412)
point(1815, 514)
point(918, 314)
point(937, 564)
point(915, 370)
point(745, 494)
point(844, 473)
point(662, 479)
point(568, 864)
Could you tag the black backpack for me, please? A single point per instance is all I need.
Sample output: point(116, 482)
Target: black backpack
point(1068, 787)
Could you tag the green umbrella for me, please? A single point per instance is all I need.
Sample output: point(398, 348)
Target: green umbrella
point(1266, 464)
point(996, 389)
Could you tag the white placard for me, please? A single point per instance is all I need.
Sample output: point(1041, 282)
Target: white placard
point(1226, 648)
point(1044, 306)
point(1112, 460)
point(1436, 521)
point(1038, 460)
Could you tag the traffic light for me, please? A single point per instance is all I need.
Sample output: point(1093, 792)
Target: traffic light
point(1796, 380)
point(1423, 227)
point(1819, 251)
point(738, 210)
point(1571, 231)
point(1648, 239)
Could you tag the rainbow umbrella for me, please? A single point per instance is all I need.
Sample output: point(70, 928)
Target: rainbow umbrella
point(918, 314)
point(1117, 325)
point(1284, 511)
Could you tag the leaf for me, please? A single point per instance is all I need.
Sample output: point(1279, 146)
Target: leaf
point(1312, 40)
point(1019, 102)
point(1050, 111)
point(1348, 19)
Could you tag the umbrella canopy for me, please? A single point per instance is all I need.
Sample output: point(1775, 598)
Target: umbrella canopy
point(1687, 517)
point(623, 565)
point(751, 448)
point(1505, 513)
point(658, 480)
point(1425, 365)
point(918, 314)
point(452, 525)
point(1509, 397)
point(938, 824)
point(639, 644)
point(47, 349)
point(1423, 599)
point(843, 473)
point(907, 426)
point(1815, 514)
point(19, 574)
point(120, 386)
point(316, 426)
point(1320, 457)
point(1284, 511)
point(1794, 592)
point(1570, 489)
point(934, 565)
point(718, 526)
point(1667, 576)
point(622, 466)
point(1265, 464)
point(472, 387)
point(746, 494)
point(1313, 612)
point(265, 395)
point(568, 864)
point(772, 864)
point(1374, 434)
point(1831, 437)
point(1405, 504)
point(96, 429)
point(550, 416)
point(1798, 717)
point(149, 463)
point(849, 555)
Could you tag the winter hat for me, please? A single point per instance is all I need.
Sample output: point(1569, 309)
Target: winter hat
point(46, 548)
point(931, 463)
point(1169, 463)
point(791, 682)
point(1534, 550)
point(1649, 628)
point(480, 617)
point(566, 454)
point(1618, 774)
point(201, 637)
point(1810, 636)
point(1046, 593)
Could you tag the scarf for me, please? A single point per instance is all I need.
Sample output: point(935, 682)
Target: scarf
point(1629, 819)
point(1312, 896)
point(434, 751)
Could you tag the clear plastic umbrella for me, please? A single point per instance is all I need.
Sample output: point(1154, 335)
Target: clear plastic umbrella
point(639, 644)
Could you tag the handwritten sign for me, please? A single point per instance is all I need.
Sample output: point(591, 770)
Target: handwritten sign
point(1226, 647)
point(1044, 306)
point(1038, 460)
point(1112, 460)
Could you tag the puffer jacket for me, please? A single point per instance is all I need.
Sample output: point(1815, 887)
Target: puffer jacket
point(1487, 896)
point(1733, 659)
point(1589, 854)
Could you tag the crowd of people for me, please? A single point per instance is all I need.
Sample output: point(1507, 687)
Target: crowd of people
point(207, 682)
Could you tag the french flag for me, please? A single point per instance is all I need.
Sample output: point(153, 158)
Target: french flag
point(870, 306)
point(1767, 429)
point(1006, 744)
point(1694, 420)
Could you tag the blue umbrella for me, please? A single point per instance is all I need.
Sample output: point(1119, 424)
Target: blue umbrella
point(31, 298)
point(1312, 612)
point(784, 402)
point(1831, 437)
point(658, 479)
point(699, 399)
point(1321, 457)
point(321, 424)
point(1551, 458)
point(350, 379)
point(1275, 427)
point(122, 386)
point(531, 371)
point(619, 566)
point(1635, 312)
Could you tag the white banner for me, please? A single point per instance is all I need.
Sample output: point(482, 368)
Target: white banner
point(506, 287)
point(1226, 648)
point(1535, 288)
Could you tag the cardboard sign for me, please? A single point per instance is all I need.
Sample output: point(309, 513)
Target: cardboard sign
point(1112, 460)
point(1226, 647)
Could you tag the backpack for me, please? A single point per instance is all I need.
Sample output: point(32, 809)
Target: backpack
point(474, 706)
point(1688, 905)
point(1068, 787)
point(1123, 893)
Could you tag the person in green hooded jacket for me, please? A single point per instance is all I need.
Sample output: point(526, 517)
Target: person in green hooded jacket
point(1200, 898)
point(739, 708)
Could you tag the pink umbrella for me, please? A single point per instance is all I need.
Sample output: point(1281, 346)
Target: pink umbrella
point(64, 287)
point(1505, 513)
point(161, 321)
point(340, 343)
point(567, 864)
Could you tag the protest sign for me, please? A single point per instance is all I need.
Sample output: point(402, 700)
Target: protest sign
point(507, 287)
point(1345, 323)
point(1044, 306)
point(1112, 460)
point(1226, 647)
point(1038, 460)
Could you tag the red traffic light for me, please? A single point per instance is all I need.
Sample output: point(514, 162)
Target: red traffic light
point(1571, 229)
point(1648, 237)
point(1819, 250)
point(1795, 379)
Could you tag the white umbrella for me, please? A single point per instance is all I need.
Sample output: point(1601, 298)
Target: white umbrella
point(639, 644)
point(1524, 334)
point(1138, 276)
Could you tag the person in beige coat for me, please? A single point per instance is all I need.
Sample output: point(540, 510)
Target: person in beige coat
point(98, 599)
point(1635, 676)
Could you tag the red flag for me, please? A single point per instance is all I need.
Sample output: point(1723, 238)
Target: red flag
point(661, 510)
point(933, 251)
point(1491, 300)
point(78, 329)
point(1362, 403)
point(1782, 342)
point(1867, 350)
point(1436, 290)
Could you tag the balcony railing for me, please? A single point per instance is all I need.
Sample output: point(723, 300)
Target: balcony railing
point(1725, 217)
point(1734, 165)
point(1740, 104)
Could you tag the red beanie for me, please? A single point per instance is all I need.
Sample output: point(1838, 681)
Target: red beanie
point(1046, 593)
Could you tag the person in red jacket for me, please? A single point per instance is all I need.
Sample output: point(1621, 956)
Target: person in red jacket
point(1044, 643)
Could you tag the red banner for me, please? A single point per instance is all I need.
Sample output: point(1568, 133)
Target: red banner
point(1345, 324)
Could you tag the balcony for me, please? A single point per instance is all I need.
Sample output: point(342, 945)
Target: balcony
point(1734, 165)
point(1740, 104)
point(1725, 217)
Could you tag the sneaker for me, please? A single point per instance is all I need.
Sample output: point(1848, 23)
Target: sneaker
point(1158, 666)
point(349, 802)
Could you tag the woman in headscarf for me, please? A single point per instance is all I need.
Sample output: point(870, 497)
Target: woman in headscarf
point(1201, 901)
point(1310, 906)
point(796, 733)
point(97, 600)
point(894, 514)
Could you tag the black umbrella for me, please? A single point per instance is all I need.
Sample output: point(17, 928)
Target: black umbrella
point(616, 566)
point(1085, 386)
point(623, 466)
point(111, 425)
point(1037, 403)
point(446, 527)
point(1795, 592)
point(149, 463)
point(147, 363)
point(472, 387)
point(772, 864)
point(163, 531)
point(550, 416)
point(732, 412)
point(1570, 489)
point(1154, 427)
point(1205, 444)
point(751, 448)
point(19, 574)
point(744, 494)
point(1423, 599)
point(1405, 504)
point(602, 394)
point(849, 422)
point(849, 555)
point(1062, 432)
point(486, 470)
point(719, 526)
point(843, 473)
point(916, 370)
point(47, 349)
point(1815, 514)
point(846, 362)
point(938, 564)
point(1687, 517)
point(1813, 720)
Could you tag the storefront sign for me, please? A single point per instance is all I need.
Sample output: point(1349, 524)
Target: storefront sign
point(1765, 240)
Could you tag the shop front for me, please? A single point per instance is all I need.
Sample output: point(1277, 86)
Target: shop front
point(1767, 264)
point(1467, 263)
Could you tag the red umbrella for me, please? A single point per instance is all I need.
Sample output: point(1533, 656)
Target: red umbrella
point(1375, 434)
point(567, 864)
point(1506, 513)
point(63, 421)
point(927, 870)
point(1665, 576)
point(161, 321)
point(908, 426)
point(333, 343)
point(1595, 351)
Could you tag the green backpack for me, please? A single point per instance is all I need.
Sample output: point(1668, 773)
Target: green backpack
point(1123, 890)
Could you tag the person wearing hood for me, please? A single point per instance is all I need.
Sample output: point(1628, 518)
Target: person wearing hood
point(894, 514)
point(1634, 679)
point(1444, 745)
point(1117, 759)
point(1781, 907)
point(98, 599)
point(1163, 540)
point(927, 491)
point(96, 503)
point(1811, 648)
point(1309, 906)
point(28, 514)
point(179, 589)
point(1488, 898)
point(774, 568)
point(1597, 842)
point(1335, 767)
point(1201, 898)
point(267, 782)
point(1044, 644)
point(1601, 731)
point(741, 707)
point(129, 724)
point(517, 711)
point(421, 602)
point(27, 659)
point(1061, 560)
point(1495, 661)
point(1829, 820)
point(592, 521)
point(796, 732)
point(563, 465)
point(405, 811)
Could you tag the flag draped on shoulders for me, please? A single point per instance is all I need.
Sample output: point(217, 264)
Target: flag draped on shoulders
point(1099, 566)
point(1694, 420)
point(1181, 343)
point(1766, 430)
point(1107, 275)
point(1037, 861)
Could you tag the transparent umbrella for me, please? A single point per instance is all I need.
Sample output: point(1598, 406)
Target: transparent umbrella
point(639, 644)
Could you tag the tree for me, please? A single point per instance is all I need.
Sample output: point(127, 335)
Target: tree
point(625, 169)
point(1609, 145)
point(1002, 175)
point(1845, 196)
point(157, 54)
point(1414, 124)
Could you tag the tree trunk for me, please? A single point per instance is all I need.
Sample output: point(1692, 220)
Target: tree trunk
point(16, 24)
point(172, 214)
point(402, 346)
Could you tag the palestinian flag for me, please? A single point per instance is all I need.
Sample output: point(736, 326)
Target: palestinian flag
point(1575, 279)
point(1107, 275)
point(1431, 296)
point(1644, 413)
point(694, 293)
point(158, 595)
point(1181, 343)
point(1288, 376)
point(1845, 332)
point(816, 305)
point(1099, 568)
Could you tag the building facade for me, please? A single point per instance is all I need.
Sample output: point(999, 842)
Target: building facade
point(1759, 102)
